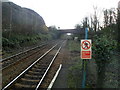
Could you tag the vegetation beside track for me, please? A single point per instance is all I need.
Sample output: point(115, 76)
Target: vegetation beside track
point(75, 71)
point(102, 69)
point(17, 42)
point(104, 47)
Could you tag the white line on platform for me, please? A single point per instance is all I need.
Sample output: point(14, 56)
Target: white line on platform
point(53, 80)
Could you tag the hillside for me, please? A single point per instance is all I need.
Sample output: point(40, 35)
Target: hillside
point(20, 20)
point(22, 27)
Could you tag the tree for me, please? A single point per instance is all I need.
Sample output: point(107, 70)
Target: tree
point(118, 24)
point(106, 18)
point(52, 28)
point(110, 17)
point(85, 22)
point(53, 31)
point(95, 19)
point(78, 26)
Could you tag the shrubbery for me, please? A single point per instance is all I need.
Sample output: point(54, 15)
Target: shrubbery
point(16, 41)
point(103, 47)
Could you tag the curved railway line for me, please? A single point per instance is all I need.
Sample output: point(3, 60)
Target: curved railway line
point(7, 62)
point(33, 75)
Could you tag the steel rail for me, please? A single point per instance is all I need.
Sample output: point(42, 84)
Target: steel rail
point(2, 68)
point(48, 67)
point(16, 61)
point(54, 78)
point(28, 68)
point(22, 52)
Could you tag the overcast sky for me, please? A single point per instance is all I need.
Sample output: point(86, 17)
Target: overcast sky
point(66, 13)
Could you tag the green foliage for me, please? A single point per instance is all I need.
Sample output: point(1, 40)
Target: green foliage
point(111, 31)
point(16, 41)
point(111, 74)
point(53, 32)
point(74, 72)
point(74, 76)
point(102, 48)
point(6, 42)
point(73, 46)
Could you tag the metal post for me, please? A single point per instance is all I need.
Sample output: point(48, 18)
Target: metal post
point(86, 33)
point(84, 63)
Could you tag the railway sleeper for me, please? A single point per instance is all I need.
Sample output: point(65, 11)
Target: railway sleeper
point(18, 57)
point(41, 62)
point(23, 86)
point(37, 73)
point(6, 62)
point(41, 66)
point(29, 79)
point(35, 69)
point(33, 76)
point(29, 82)
point(33, 72)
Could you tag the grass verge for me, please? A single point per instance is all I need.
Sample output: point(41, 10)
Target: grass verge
point(75, 71)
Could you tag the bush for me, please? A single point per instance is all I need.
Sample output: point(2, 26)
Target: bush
point(74, 73)
point(7, 43)
point(103, 47)
point(17, 40)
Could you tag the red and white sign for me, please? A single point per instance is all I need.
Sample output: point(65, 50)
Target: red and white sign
point(86, 51)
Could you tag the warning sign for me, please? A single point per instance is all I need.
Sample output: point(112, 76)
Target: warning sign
point(86, 44)
point(86, 49)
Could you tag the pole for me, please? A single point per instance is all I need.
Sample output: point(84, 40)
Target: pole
point(86, 33)
point(84, 63)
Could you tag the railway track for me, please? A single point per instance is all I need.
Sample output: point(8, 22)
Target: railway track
point(32, 76)
point(9, 61)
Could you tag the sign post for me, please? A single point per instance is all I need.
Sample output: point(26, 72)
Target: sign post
point(85, 55)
